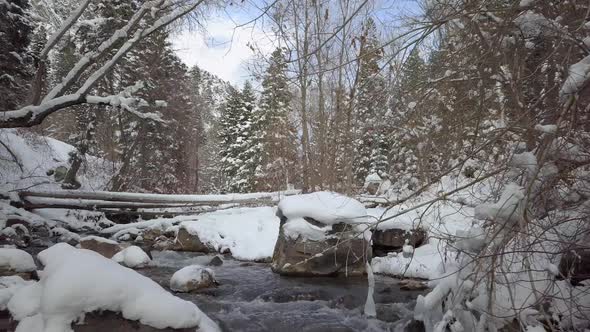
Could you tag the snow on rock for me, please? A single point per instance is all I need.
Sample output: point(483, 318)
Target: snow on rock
point(192, 277)
point(325, 207)
point(249, 233)
point(133, 257)
point(16, 260)
point(78, 281)
point(299, 227)
point(65, 235)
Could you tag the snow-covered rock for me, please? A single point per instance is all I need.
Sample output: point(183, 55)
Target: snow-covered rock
point(192, 278)
point(16, 261)
point(78, 281)
point(132, 257)
point(321, 234)
point(107, 248)
point(186, 241)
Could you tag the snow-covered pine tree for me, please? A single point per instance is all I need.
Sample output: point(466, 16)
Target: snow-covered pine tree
point(405, 116)
point(371, 143)
point(276, 131)
point(229, 149)
point(16, 61)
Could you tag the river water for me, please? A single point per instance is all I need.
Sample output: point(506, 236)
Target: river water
point(251, 297)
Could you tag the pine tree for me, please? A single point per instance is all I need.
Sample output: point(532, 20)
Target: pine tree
point(371, 144)
point(15, 58)
point(276, 131)
point(240, 151)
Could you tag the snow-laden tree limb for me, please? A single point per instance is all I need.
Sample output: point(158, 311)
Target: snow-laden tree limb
point(143, 23)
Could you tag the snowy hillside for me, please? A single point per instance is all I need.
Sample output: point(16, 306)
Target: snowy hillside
point(26, 159)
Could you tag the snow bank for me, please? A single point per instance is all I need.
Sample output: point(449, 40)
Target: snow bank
point(133, 257)
point(77, 281)
point(325, 207)
point(16, 260)
point(424, 263)
point(249, 233)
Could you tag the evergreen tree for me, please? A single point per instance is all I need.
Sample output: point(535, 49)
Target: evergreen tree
point(15, 57)
point(276, 131)
point(240, 151)
point(371, 144)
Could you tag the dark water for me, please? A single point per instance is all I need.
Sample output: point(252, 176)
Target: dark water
point(252, 298)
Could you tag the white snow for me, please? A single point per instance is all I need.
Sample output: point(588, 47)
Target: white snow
point(579, 73)
point(249, 233)
point(423, 263)
point(507, 208)
point(325, 207)
point(77, 281)
point(526, 160)
point(373, 177)
point(189, 274)
point(132, 256)
point(16, 260)
point(39, 154)
point(297, 227)
point(8, 286)
point(547, 129)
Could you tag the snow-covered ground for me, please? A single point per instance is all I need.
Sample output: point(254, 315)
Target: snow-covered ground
point(36, 155)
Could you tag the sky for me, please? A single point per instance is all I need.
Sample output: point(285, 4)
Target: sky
point(224, 49)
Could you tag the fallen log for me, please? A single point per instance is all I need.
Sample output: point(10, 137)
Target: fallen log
point(156, 198)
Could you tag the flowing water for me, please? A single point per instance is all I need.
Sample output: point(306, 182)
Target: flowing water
point(251, 297)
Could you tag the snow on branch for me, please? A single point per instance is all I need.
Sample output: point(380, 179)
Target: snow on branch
point(143, 23)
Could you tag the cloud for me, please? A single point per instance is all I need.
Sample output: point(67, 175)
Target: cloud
point(223, 49)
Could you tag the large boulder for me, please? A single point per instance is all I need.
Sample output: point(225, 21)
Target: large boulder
point(107, 248)
point(321, 234)
point(393, 240)
point(185, 241)
point(330, 257)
